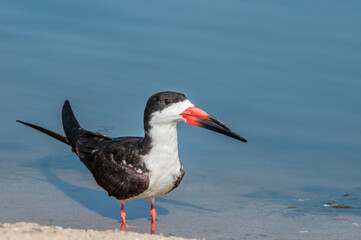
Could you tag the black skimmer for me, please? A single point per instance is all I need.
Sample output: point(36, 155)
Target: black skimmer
point(130, 168)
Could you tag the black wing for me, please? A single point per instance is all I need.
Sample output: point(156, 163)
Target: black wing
point(116, 164)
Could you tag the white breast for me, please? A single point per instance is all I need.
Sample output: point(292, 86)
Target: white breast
point(162, 161)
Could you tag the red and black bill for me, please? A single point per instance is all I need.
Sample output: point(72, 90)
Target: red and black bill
point(197, 117)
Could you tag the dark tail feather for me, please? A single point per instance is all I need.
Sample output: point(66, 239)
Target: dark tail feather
point(70, 124)
point(55, 135)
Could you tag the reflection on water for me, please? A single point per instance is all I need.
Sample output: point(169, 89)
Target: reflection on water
point(284, 74)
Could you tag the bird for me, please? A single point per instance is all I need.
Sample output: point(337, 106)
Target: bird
point(131, 168)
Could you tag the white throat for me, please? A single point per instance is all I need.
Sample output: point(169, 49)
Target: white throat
point(164, 138)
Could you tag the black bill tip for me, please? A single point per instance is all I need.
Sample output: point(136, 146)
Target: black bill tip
point(216, 127)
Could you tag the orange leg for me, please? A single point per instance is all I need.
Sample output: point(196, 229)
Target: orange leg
point(153, 214)
point(123, 227)
point(123, 214)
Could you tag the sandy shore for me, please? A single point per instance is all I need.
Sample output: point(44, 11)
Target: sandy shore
point(33, 231)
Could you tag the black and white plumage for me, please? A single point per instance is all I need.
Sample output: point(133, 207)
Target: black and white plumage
point(130, 168)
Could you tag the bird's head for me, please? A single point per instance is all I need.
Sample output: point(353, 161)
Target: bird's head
point(172, 107)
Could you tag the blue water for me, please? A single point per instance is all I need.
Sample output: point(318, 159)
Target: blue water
point(284, 74)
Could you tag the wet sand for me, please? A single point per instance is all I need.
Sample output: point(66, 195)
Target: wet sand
point(24, 230)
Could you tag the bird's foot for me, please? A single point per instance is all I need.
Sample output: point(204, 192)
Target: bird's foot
point(123, 215)
point(153, 214)
point(152, 227)
point(125, 227)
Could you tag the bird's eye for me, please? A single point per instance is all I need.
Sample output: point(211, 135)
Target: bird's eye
point(167, 101)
